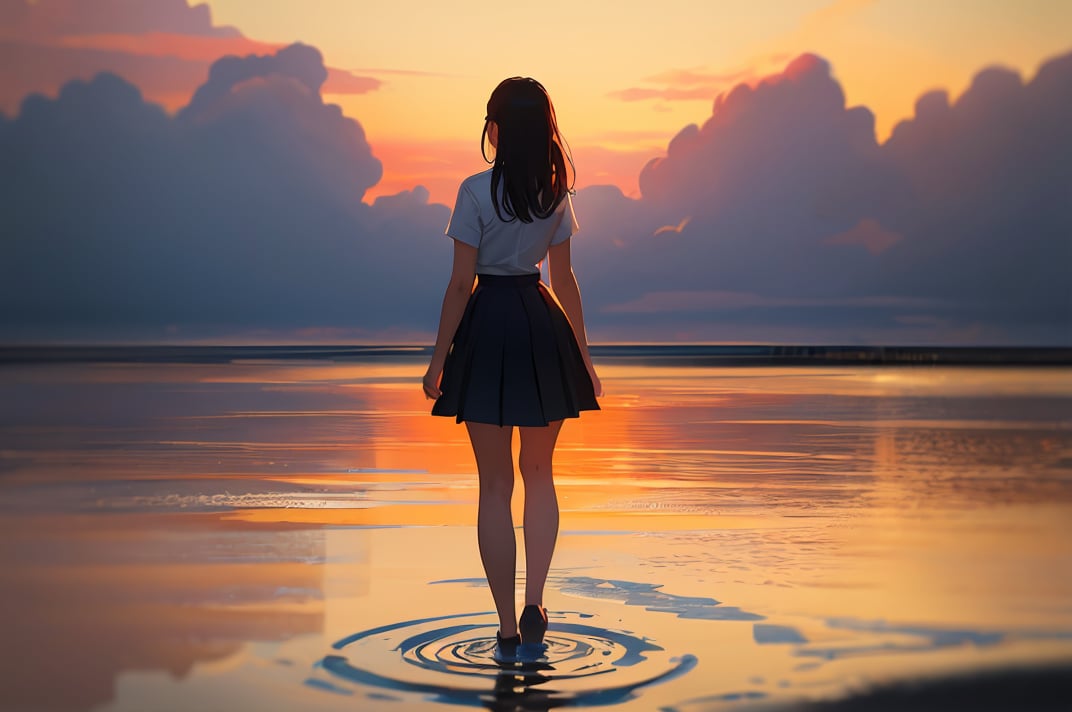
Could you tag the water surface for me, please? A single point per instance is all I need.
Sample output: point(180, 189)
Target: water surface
point(298, 534)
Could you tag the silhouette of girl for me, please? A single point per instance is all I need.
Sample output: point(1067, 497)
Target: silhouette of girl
point(509, 352)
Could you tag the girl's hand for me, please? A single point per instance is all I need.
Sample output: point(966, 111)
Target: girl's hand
point(431, 383)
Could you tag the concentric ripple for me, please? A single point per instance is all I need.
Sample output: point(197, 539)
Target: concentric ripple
point(451, 659)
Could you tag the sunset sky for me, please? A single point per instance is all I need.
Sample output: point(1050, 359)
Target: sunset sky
point(889, 228)
point(627, 75)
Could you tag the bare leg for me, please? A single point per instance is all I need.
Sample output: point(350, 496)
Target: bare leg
point(541, 506)
point(495, 524)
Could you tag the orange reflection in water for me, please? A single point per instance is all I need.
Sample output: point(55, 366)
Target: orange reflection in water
point(901, 499)
point(852, 507)
point(908, 495)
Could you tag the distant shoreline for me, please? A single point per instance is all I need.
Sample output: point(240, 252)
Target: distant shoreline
point(697, 355)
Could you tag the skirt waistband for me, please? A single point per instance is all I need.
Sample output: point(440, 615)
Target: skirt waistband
point(508, 280)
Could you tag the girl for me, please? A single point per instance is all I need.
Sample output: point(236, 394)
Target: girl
point(508, 352)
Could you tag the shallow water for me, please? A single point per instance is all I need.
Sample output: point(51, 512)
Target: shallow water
point(299, 535)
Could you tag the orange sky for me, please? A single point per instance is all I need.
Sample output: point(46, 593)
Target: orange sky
point(626, 76)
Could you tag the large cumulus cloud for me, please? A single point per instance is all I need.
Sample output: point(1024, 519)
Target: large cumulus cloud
point(242, 212)
point(783, 211)
point(990, 208)
point(781, 218)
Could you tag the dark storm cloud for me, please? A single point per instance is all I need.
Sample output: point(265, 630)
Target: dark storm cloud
point(962, 218)
point(243, 211)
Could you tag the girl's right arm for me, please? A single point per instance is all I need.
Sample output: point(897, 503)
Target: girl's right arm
point(564, 284)
point(456, 297)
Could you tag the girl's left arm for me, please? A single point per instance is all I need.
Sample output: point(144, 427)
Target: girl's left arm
point(454, 300)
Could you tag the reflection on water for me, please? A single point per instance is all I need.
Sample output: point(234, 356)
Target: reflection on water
point(84, 600)
point(299, 536)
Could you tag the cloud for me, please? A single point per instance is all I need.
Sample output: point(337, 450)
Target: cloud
point(340, 81)
point(165, 47)
point(963, 216)
point(762, 138)
point(774, 170)
point(194, 48)
point(991, 191)
point(693, 77)
point(780, 218)
point(711, 300)
point(243, 211)
point(48, 18)
point(681, 85)
point(299, 63)
point(696, 93)
point(403, 72)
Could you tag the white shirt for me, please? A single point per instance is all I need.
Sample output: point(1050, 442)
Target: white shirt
point(505, 247)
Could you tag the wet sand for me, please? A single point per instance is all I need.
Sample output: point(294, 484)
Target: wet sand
point(299, 535)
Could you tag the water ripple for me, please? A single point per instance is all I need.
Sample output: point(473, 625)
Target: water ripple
point(450, 659)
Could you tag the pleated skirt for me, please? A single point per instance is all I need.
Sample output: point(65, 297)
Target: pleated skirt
point(514, 359)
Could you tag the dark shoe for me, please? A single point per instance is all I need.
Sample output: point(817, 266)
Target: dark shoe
point(533, 624)
point(506, 648)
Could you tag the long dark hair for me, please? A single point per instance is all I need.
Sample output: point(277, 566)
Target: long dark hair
point(530, 156)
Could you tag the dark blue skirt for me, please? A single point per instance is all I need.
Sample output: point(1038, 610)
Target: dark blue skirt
point(514, 359)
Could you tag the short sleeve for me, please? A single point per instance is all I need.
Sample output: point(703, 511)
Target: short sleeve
point(567, 225)
point(464, 224)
